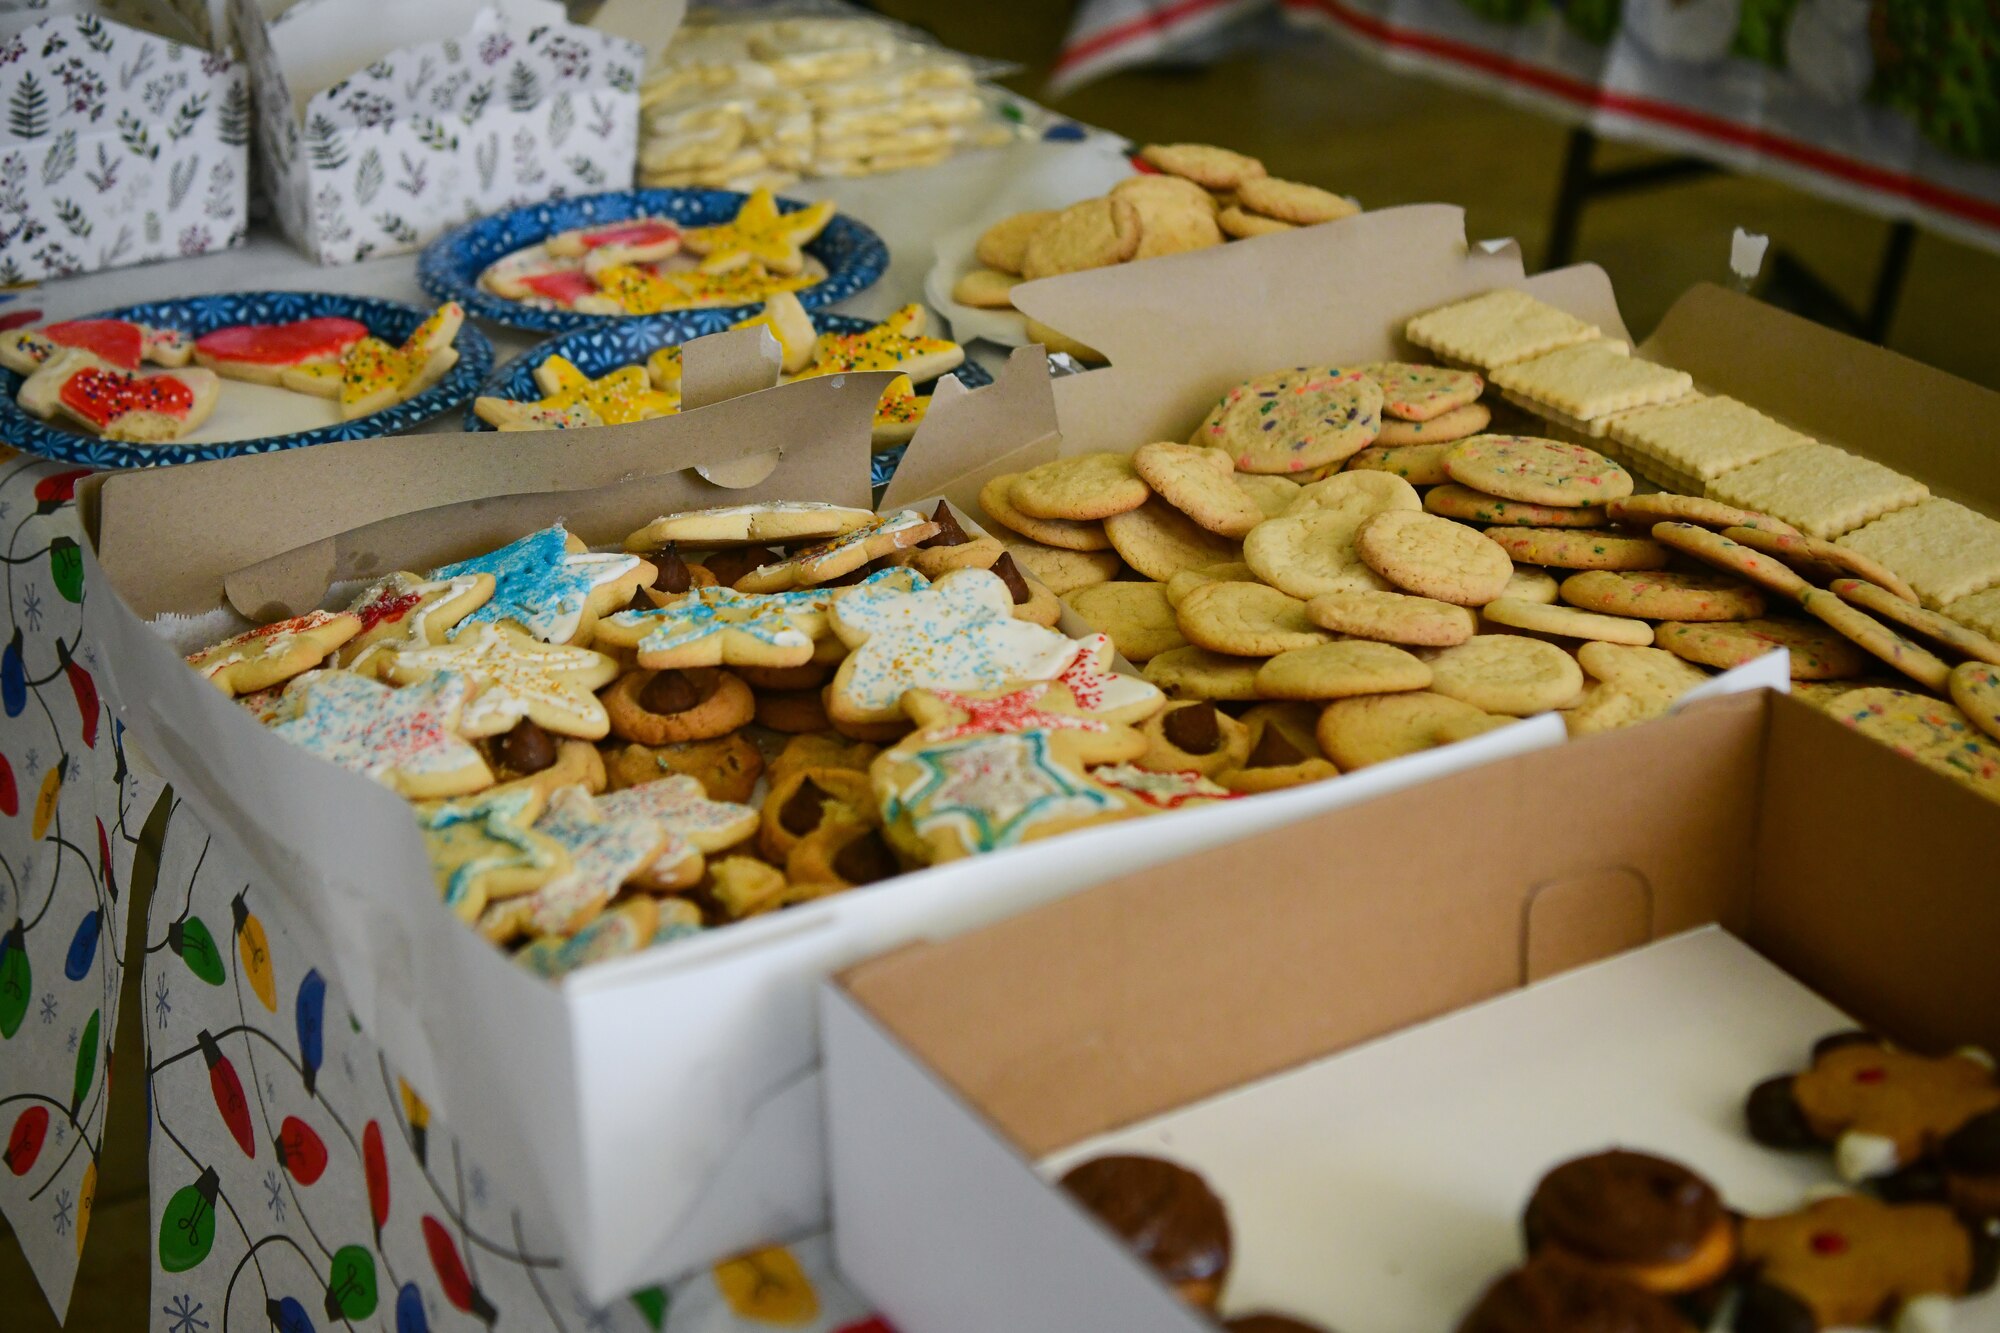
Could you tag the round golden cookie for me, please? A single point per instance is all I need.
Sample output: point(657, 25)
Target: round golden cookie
point(1566, 622)
point(1449, 428)
point(985, 289)
point(1652, 673)
point(1288, 421)
point(1246, 620)
point(1272, 495)
point(1418, 464)
point(1875, 638)
point(1196, 673)
point(1310, 552)
point(1064, 571)
point(1643, 511)
point(1291, 201)
point(1055, 341)
point(1452, 500)
point(1042, 606)
point(1663, 595)
point(1137, 616)
point(1193, 737)
point(1579, 548)
point(1724, 553)
point(1242, 224)
point(1159, 186)
point(1201, 483)
point(1376, 728)
point(1392, 617)
point(1063, 533)
point(1818, 653)
point(1528, 584)
point(1538, 471)
point(1339, 670)
point(1434, 557)
point(1091, 234)
point(1932, 732)
point(1417, 393)
point(1815, 555)
point(1918, 620)
point(1206, 165)
point(1359, 494)
point(1175, 215)
point(1004, 245)
point(1294, 720)
point(1159, 541)
point(1506, 673)
point(1079, 488)
point(1607, 708)
point(934, 562)
point(1975, 688)
point(1284, 752)
point(714, 703)
point(1185, 582)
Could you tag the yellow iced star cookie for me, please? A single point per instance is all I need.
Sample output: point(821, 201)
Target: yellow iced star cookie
point(373, 375)
point(626, 394)
point(625, 289)
point(897, 343)
point(789, 324)
point(664, 369)
point(899, 412)
point(759, 233)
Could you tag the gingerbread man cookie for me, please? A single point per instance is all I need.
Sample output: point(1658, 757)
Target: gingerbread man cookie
point(1850, 1261)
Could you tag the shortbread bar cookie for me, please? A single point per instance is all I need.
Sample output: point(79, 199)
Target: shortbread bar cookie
point(1819, 489)
point(1944, 550)
point(1594, 379)
point(1703, 436)
point(1981, 611)
point(1497, 329)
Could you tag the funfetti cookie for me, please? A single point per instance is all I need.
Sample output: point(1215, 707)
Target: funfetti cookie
point(782, 521)
point(604, 852)
point(829, 560)
point(632, 241)
point(1290, 420)
point(515, 676)
point(482, 848)
point(403, 610)
point(272, 654)
point(958, 634)
point(761, 233)
point(404, 739)
point(942, 800)
point(791, 326)
point(897, 343)
point(1412, 392)
point(149, 408)
point(549, 583)
point(261, 353)
point(507, 414)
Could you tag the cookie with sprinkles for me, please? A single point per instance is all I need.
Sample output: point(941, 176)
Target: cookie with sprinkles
point(482, 848)
point(626, 289)
point(1927, 624)
point(722, 627)
point(1663, 595)
point(515, 676)
point(1412, 392)
point(1817, 558)
point(1536, 471)
point(1932, 732)
point(1161, 791)
point(550, 584)
point(1817, 653)
point(943, 800)
point(749, 525)
point(624, 395)
point(898, 413)
point(1290, 420)
point(405, 739)
point(1975, 688)
point(944, 715)
point(1452, 500)
point(1728, 554)
point(605, 851)
point(272, 654)
point(1876, 638)
point(373, 375)
point(897, 343)
point(405, 610)
point(759, 234)
point(150, 408)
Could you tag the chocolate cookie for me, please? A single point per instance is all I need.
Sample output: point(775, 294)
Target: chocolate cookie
point(1553, 1294)
point(1642, 1218)
point(1166, 1213)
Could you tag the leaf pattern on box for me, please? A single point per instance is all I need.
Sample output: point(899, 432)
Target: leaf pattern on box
point(100, 121)
point(457, 128)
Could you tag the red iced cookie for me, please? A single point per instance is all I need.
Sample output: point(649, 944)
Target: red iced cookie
point(274, 346)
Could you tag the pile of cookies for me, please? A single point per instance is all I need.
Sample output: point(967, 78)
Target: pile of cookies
point(604, 749)
point(1195, 196)
point(87, 371)
point(572, 399)
point(744, 104)
point(646, 265)
point(1628, 1242)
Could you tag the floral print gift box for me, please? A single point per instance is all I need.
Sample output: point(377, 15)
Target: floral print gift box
point(382, 125)
point(117, 146)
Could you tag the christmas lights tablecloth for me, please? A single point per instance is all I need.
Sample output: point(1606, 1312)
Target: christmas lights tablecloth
point(296, 1182)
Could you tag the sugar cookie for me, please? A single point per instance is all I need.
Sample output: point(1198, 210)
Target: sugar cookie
point(1567, 622)
point(1434, 557)
point(1337, 670)
point(1079, 488)
point(1536, 471)
point(1663, 595)
point(1817, 653)
point(1506, 673)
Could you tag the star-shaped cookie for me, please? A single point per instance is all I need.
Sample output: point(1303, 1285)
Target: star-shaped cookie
point(271, 654)
point(897, 343)
point(405, 610)
point(604, 852)
point(514, 675)
point(482, 848)
point(1103, 692)
point(841, 555)
point(1161, 791)
point(946, 715)
point(404, 739)
point(759, 233)
point(626, 394)
point(374, 374)
point(507, 414)
point(949, 799)
point(624, 289)
point(681, 803)
point(790, 325)
point(549, 583)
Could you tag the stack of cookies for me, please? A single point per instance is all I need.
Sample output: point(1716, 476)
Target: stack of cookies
point(1195, 196)
point(1285, 572)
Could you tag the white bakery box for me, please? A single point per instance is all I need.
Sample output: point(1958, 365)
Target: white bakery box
point(662, 1110)
point(124, 138)
point(1372, 1032)
point(381, 125)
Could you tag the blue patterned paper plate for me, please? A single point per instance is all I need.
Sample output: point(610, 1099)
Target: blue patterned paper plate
point(449, 268)
point(601, 350)
point(391, 321)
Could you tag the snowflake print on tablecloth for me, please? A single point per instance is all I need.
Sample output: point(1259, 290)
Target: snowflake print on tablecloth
point(62, 1132)
point(595, 1319)
point(48, 1007)
point(477, 1180)
point(72, 1041)
point(274, 1190)
point(65, 1207)
point(162, 1005)
point(31, 608)
point(31, 762)
point(183, 1314)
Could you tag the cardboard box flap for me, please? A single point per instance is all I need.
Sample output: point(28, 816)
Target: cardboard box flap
point(1936, 427)
point(968, 435)
point(1326, 294)
point(417, 501)
point(1222, 977)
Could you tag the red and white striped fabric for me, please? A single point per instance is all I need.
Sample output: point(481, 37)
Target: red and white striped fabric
point(1109, 35)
